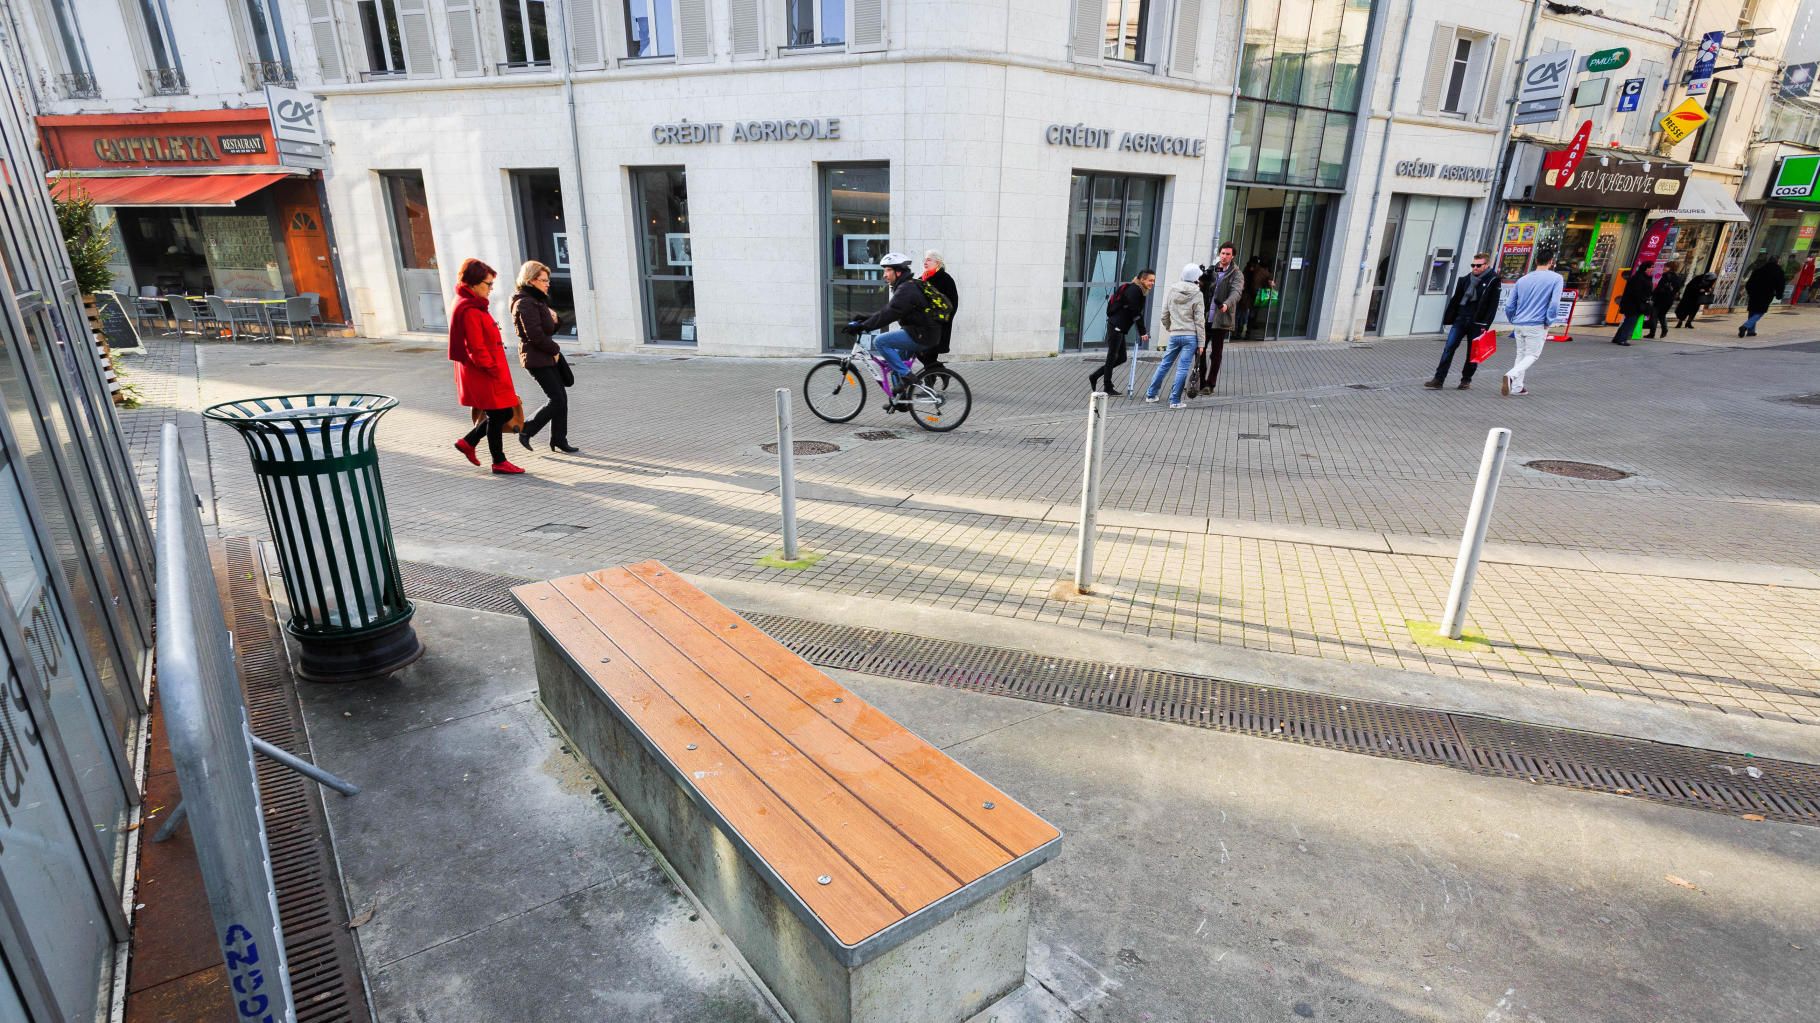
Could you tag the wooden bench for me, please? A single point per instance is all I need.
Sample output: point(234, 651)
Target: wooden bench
point(863, 874)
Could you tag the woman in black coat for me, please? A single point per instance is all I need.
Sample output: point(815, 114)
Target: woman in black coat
point(1763, 286)
point(1636, 303)
point(538, 350)
point(1662, 299)
point(1698, 292)
point(935, 271)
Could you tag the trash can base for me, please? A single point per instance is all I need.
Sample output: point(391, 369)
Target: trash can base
point(355, 658)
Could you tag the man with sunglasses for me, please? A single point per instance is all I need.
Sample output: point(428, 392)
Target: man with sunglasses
point(1469, 313)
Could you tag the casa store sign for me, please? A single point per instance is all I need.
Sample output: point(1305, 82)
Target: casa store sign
point(165, 140)
point(1620, 186)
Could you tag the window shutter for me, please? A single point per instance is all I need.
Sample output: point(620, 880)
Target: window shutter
point(464, 38)
point(1493, 100)
point(1440, 59)
point(694, 41)
point(1666, 8)
point(419, 42)
point(865, 25)
point(326, 37)
point(1089, 43)
point(585, 48)
point(748, 26)
point(1643, 120)
point(1186, 44)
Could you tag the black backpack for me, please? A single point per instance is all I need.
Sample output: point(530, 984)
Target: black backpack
point(937, 306)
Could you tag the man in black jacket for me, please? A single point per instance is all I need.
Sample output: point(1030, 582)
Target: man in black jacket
point(1637, 301)
point(935, 271)
point(1124, 307)
point(906, 308)
point(1469, 313)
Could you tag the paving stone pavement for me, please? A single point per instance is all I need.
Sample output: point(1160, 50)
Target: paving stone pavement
point(1302, 439)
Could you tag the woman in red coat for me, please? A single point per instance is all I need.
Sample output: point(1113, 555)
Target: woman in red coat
point(483, 378)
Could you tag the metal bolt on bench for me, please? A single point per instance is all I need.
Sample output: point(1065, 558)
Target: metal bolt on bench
point(319, 481)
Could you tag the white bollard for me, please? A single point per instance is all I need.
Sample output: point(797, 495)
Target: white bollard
point(786, 471)
point(1090, 491)
point(1478, 521)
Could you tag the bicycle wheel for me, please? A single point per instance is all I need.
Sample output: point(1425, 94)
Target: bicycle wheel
point(834, 390)
point(940, 401)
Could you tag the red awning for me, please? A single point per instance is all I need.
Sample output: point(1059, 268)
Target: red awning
point(165, 189)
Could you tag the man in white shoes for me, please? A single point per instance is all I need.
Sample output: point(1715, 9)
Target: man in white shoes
point(1531, 307)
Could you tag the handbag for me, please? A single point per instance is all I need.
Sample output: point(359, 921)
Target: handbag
point(1483, 346)
point(513, 425)
point(568, 372)
point(1266, 296)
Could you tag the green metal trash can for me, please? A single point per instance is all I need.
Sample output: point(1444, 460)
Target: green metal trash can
point(318, 473)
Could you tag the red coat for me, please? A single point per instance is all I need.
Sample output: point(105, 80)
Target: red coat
point(483, 378)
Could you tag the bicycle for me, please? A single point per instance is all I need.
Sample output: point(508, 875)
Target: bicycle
point(938, 401)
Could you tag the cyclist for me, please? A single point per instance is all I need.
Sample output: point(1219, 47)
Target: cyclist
point(915, 334)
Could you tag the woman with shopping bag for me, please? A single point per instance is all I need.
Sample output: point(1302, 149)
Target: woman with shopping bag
point(483, 378)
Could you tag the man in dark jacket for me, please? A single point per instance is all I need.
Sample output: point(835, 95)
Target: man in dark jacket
point(1662, 299)
point(1763, 286)
point(1638, 301)
point(1469, 313)
point(1123, 308)
point(935, 271)
point(1221, 285)
point(916, 332)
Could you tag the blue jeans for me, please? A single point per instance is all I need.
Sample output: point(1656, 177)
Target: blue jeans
point(1750, 322)
point(1181, 356)
point(1462, 333)
point(898, 348)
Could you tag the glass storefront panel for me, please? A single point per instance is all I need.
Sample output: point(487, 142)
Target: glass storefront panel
point(1274, 142)
point(544, 235)
point(1112, 222)
point(856, 200)
point(1283, 233)
point(73, 531)
point(81, 718)
point(665, 259)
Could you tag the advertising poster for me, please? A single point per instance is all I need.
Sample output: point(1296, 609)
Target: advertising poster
point(1518, 246)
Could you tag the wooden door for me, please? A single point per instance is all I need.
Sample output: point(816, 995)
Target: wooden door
point(308, 246)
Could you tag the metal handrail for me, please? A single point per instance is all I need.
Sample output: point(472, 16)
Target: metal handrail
point(79, 85)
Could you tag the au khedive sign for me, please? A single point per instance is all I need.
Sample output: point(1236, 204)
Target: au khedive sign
point(1623, 186)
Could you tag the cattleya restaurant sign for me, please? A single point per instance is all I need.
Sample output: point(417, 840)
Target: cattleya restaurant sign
point(157, 149)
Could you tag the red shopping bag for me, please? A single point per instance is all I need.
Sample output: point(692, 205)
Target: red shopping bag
point(1483, 346)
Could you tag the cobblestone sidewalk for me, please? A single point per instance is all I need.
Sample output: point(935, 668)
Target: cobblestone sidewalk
point(1310, 438)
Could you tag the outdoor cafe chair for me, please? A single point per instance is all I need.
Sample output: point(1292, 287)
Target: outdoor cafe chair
point(183, 314)
point(293, 312)
point(233, 314)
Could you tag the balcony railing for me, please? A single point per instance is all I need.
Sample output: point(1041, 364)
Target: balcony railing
point(79, 85)
point(515, 67)
point(167, 81)
point(272, 72)
point(382, 74)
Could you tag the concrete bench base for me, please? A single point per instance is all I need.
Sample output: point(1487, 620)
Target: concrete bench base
point(941, 965)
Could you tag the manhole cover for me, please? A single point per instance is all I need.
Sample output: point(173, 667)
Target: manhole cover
point(1802, 399)
point(1254, 436)
point(1282, 426)
point(1578, 470)
point(415, 351)
point(1038, 440)
point(805, 447)
point(558, 528)
point(874, 435)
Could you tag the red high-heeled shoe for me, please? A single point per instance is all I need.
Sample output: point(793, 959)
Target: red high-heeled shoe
point(506, 469)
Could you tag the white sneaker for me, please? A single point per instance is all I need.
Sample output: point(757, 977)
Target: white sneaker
point(1520, 391)
point(1151, 400)
point(1178, 404)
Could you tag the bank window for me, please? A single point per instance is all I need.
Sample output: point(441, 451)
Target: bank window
point(817, 23)
point(1127, 22)
point(1460, 73)
point(1456, 75)
point(650, 28)
point(856, 234)
point(1707, 137)
point(384, 40)
point(666, 254)
point(527, 33)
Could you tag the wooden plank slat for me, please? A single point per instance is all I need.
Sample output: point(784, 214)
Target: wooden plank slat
point(907, 875)
point(1014, 827)
point(851, 907)
point(962, 849)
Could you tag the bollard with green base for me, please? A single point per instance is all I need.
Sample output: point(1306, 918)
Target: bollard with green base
point(318, 475)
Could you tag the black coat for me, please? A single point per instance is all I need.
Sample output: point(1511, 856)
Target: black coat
point(1763, 286)
point(536, 324)
point(944, 283)
point(1668, 288)
point(1698, 292)
point(1484, 310)
point(1126, 307)
point(906, 310)
point(1639, 292)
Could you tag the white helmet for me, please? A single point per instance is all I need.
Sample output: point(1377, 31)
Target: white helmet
point(896, 260)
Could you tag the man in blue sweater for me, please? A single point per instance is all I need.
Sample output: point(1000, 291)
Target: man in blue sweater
point(1531, 308)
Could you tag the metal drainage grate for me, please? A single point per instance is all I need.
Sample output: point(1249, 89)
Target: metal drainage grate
point(1254, 436)
point(324, 965)
point(804, 447)
point(872, 435)
point(1676, 775)
point(1282, 426)
point(1578, 470)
